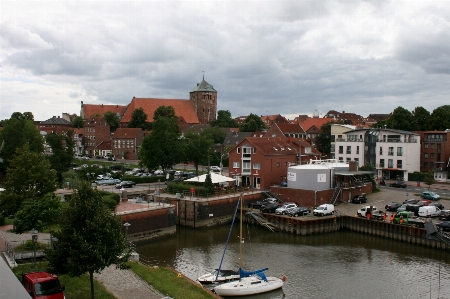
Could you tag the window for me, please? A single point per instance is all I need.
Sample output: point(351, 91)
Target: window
point(256, 166)
point(425, 155)
point(357, 161)
point(332, 148)
point(238, 150)
point(341, 159)
point(254, 150)
point(425, 145)
point(246, 166)
point(381, 162)
point(349, 150)
point(246, 152)
point(399, 151)
point(432, 155)
point(425, 164)
point(333, 138)
point(432, 145)
point(399, 164)
point(236, 165)
point(349, 159)
point(391, 151)
point(357, 150)
point(341, 149)
point(381, 150)
point(390, 163)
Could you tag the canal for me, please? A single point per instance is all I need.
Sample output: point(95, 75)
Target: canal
point(333, 265)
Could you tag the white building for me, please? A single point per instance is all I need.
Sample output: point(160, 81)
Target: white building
point(394, 153)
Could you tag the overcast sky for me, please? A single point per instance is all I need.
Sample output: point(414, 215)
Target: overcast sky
point(263, 57)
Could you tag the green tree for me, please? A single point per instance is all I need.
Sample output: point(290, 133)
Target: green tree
point(165, 111)
point(62, 152)
point(421, 118)
point(197, 148)
point(162, 147)
point(77, 122)
point(138, 119)
point(224, 120)
point(90, 237)
point(380, 124)
point(29, 177)
point(112, 119)
point(440, 118)
point(215, 134)
point(429, 179)
point(25, 115)
point(17, 131)
point(38, 214)
point(401, 119)
point(252, 123)
point(323, 139)
point(208, 183)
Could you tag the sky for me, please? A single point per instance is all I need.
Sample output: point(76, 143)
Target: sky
point(263, 57)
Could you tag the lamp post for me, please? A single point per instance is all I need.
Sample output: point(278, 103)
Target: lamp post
point(34, 237)
point(126, 224)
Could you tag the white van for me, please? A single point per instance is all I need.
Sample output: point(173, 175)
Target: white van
point(323, 210)
point(429, 211)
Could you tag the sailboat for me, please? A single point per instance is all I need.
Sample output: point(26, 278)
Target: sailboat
point(250, 282)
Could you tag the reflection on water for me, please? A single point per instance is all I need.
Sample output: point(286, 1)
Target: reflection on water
point(333, 265)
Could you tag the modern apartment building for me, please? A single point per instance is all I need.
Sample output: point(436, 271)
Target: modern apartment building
point(435, 154)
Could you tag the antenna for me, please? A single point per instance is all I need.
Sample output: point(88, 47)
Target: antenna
point(203, 75)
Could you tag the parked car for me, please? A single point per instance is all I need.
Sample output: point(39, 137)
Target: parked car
point(108, 181)
point(436, 204)
point(158, 172)
point(412, 201)
point(445, 226)
point(425, 202)
point(445, 215)
point(402, 208)
point(393, 206)
point(359, 199)
point(323, 210)
point(429, 211)
point(259, 204)
point(125, 184)
point(363, 211)
point(269, 208)
point(215, 168)
point(430, 195)
point(398, 184)
point(284, 208)
point(413, 208)
point(378, 215)
point(298, 211)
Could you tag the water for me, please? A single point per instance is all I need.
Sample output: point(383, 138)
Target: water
point(332, 265)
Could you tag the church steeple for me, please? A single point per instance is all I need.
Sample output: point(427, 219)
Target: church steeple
point(204, 99)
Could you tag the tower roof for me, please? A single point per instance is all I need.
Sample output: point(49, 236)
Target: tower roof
point(204, 86)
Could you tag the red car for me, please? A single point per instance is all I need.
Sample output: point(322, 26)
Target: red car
point(425, 202)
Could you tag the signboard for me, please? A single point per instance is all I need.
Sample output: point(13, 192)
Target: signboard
point(291, 176)
point(321, 178)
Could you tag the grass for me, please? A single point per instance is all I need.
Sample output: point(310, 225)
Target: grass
point(169, 283)
point(76, 287)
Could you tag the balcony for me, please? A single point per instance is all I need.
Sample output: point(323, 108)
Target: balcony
point(440, 140)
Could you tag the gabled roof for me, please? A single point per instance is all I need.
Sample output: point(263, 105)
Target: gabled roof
point(271, 146)
point(234, 137)
point(290, 128)
point(124, 133)
point(314, 121)
point(104, 145)
point(87, 110)
point(204, 86)
point(182, 108)
point(56, 121)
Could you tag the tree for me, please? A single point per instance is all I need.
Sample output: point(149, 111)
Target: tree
point(29, 177)
point(62, 152)
point(162, 147)
point(25, 115)
point(18, 130)
point(138, 119)
point(165, 111)
point(38, 214)
point(440, 118)
point(252, 123)
point(224, 119)
point(401, 119)
point(112, 119)
point(90, 237)
point(323, 139)
point(197, 148)
point(77, 122)
point(208, 183)
point(215, 134)
point(421, 118)
point(429, 179)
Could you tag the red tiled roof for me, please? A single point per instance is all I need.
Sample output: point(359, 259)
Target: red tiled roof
point(104, 145)
point(92, 109)
point(272, 146)
point(182, 108)
point(290, 128)
point(314, 121)
point(127, 133)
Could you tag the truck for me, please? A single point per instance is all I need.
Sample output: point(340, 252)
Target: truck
point(408, 218)
point(323, 210)
point(43, 284)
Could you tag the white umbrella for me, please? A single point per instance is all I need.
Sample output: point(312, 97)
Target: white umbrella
point(215, 178)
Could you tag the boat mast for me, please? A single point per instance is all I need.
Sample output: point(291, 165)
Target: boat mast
point(241, 239)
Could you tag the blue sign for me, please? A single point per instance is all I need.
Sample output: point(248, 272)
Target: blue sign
point(407, 193)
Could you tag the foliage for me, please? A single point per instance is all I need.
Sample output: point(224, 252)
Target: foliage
point(162, 147)
point(367, 167)
point(421, 119)
point(164, 111)
point(208, 183)
point(112, 119)
point(62, 152)
point(29, 177)
point(25, 115)
point(429, 179)
point(197, 149)
point(215, 134)
point(224, 120)
point(76, 287)
point(77, 122)
point(17, 131)
point(138, 119)
point(440, 118)
point(2, 220)
point(381, 124)
point(401, 119)
point(38, 214)
point(168, 282)
point(252, 123)
point(323, 139)
point(90, 238)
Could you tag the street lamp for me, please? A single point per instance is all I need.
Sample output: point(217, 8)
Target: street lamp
point(126, 224)
point(34, 236)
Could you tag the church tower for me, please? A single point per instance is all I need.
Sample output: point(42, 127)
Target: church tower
point(204, 99)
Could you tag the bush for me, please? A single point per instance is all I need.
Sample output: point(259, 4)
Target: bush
point(143, 180)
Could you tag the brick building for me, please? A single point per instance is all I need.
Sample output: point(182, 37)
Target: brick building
point(125, 143)
point(96, 131)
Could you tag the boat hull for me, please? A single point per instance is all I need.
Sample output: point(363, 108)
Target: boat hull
point(224, 276)
point(248, 286)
